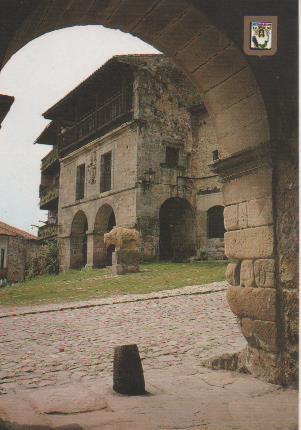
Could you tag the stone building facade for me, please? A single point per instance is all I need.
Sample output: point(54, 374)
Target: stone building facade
point(134, 145)
point(17, 248)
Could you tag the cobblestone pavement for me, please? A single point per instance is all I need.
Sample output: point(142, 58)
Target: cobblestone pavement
point(76, 345)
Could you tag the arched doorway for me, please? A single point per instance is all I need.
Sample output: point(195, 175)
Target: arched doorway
point(177, 230)
point(104, 222)
point(215, 222)
point(78, 241)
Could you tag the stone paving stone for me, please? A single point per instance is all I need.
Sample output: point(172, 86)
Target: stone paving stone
point(60, 347)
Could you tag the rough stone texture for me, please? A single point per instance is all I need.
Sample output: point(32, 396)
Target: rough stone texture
point(19, 254)
point(122, 238)
point(255, 242)
point(128, 375)
point(265, 273)
point(260, 212)
point(260, 334)
point(231, 217)
point(30, 344)
point(247, 274)
point(67, 400)
point(248, 187)
point(233, 273)
point(242, 215)
point(268, 369)
point(125, 261)
point(287, 225)
point(243, 403)
point(257, 303)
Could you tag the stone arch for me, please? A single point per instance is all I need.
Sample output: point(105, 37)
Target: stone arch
point(79, 241)
point(105, 220)
point(233, 99)
point(177, 239)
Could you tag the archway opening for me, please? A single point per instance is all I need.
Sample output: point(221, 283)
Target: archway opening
point(79, 241)
point(215, 221)
point(104, 222)
point(177, 230)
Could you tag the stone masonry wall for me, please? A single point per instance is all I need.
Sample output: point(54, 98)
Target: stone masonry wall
point(288, 262)
point(163, 100)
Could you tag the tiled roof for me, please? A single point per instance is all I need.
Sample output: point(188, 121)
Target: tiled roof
point(8, 230)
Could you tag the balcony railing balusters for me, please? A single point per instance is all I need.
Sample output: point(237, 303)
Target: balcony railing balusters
point(112, 110)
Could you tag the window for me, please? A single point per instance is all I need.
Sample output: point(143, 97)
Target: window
point(106, 172)
point(172, 157)
point(80, 181)
point(215, 155)
point(2, 255)
point(215, 216)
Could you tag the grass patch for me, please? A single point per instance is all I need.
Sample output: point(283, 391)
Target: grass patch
point(87, 284)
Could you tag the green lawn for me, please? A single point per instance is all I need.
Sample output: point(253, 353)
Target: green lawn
point(97, 283)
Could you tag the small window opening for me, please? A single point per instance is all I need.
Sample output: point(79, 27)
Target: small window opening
point(80, 181)
point(106, 172)
point(172, 157)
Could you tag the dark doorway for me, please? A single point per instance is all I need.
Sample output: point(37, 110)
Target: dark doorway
point(105, 221)
point(215, 219)
point(177, 230)
point(79, 241)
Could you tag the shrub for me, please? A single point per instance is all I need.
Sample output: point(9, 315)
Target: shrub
point(45, 261)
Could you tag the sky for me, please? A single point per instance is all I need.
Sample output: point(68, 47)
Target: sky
point(39, 75)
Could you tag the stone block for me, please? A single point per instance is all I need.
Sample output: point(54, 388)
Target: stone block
point(183, 30)
point(263, 364)
point(242, 138)
point(242, 215)
point(260, 212)
point(245, 112)
point(249, 243)
point(256, 303)
point(202, 48)
point(247, 274)
point(248, 187)
point(260, 334)
point(118, 269)
point(219, 68)
point(265, 273)
point(231, 217)
point(125, 257)
point(232, 273)
point(234, 89)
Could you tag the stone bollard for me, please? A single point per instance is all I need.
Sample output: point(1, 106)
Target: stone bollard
point(128, 375)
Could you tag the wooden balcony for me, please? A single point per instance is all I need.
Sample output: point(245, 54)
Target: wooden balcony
point(47, 231)
point(49, 196)
point(112, 113)
point(50, 159)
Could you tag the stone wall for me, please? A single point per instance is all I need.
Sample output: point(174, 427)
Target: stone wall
point(287, 199)
point(20, 253)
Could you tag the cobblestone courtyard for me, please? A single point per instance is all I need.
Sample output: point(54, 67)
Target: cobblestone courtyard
point(76, 345)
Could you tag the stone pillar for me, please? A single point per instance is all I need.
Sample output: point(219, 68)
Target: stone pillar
point(90, 250)
point(125, 261)
point(249, 241)
point(64, 253)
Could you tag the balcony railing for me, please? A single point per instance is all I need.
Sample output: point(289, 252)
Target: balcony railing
point(48, 194)
point(50, 158)
point(110, 112)
point(47, 231)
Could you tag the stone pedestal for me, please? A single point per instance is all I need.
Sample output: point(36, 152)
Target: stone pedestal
point(125, 261)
